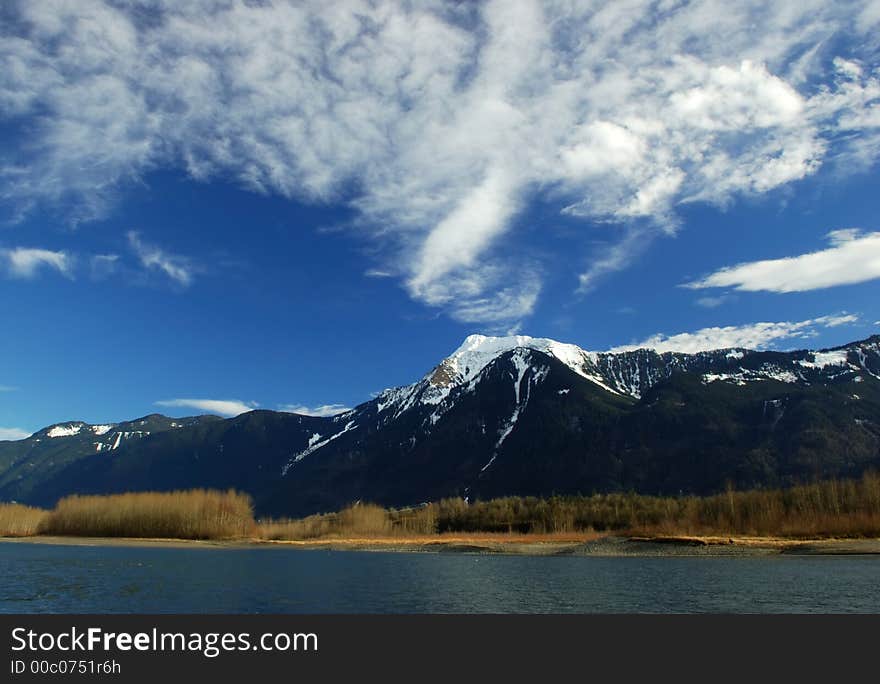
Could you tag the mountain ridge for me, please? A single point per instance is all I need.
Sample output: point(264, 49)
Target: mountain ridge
point(513, 415)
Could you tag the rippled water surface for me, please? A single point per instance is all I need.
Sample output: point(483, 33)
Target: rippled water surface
point(90, 579)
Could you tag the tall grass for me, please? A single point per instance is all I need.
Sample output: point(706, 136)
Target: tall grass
point(835, 508)
point(847, 508)
point(194, 514)
point(824, 509)
point(17, 520)
point(359, 520)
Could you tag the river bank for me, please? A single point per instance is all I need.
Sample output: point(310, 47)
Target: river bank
point(548, 545)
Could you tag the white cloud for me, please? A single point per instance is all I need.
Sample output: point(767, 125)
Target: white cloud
point(447, 118)
point(462, 235)
point(507, 303)
point(750, 336)
point(712, 302)
point(8, 388)
point(176, 267)
point(615, 257)
point(103, 265)
point(223, 407)
point(853, 258)
point(26, 262)
point(317, 411)
point(13, 434)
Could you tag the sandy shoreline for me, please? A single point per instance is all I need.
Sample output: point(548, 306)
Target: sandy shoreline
point(570, 545)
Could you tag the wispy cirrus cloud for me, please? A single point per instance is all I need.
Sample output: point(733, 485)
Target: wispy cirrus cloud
point(712, 302)
point(319, 411)
point(28, 262)
point(447, 118)
point(377, 273)
point(762, 335)
point(853, 257)
point(176, 267)
point(223, 407)
point(616, 256)
point(104, 265)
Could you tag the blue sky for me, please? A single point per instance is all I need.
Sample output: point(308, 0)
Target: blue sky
point(228, 205)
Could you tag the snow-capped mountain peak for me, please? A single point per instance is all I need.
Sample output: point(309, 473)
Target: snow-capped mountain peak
point(465, 364)
point(631, 373)
point(477, 351)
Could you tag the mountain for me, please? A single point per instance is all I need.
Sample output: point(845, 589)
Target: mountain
point(27, 463)
point(503, 415)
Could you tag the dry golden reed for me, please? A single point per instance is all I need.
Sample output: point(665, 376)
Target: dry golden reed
point(835, 508)
point(193, 514)
point(367, 520)
point(17, 520)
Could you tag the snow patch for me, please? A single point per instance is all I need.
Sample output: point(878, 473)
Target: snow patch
point(64, 431)
point(741, 377)
point(400, 397)
point(825, 359)
point(101, 429)
point(521, 398)
point(863, 361)
point(735, 378)
point(563, 391)
point(780, 375)
point(122, 436)
point(314, 445)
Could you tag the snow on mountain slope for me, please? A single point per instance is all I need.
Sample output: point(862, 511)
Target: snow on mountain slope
point(110, 442)
point(108, 436)
point(631, 373)
point(478, 350)
point(464, 365)
point(315, 443)
point(64, 430)
point(523, 363)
